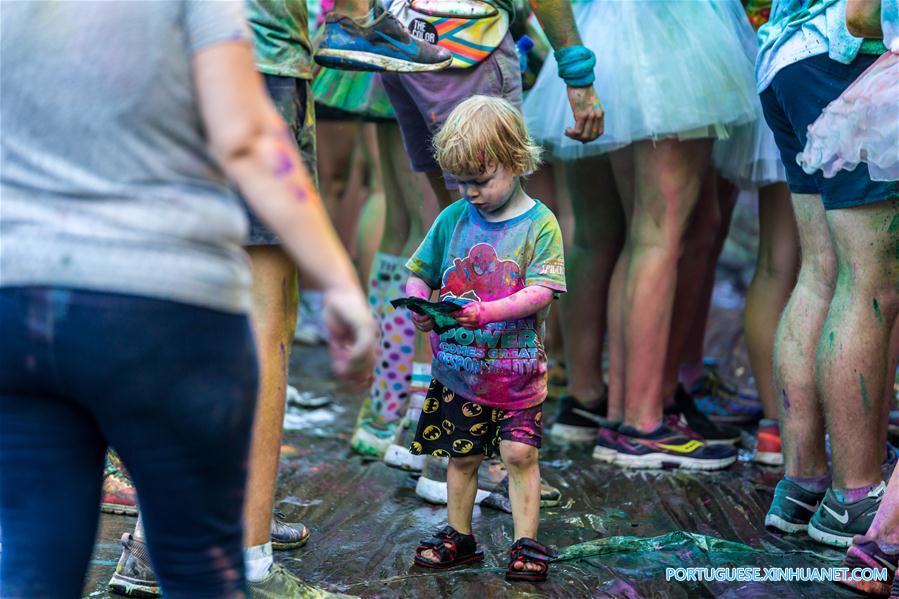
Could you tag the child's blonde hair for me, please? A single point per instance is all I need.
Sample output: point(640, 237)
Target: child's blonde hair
point(484, 131)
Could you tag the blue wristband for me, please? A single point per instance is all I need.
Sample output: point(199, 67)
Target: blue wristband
point(576, 65)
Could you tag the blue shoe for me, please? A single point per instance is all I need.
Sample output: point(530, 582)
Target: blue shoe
point(721, 401)
point(792, 507)
point(381, 45)
point(835, 522)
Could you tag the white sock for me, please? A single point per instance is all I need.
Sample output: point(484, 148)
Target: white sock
point(258, 561)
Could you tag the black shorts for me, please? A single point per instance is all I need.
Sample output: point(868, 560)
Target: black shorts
point(795, 98)
point(452, 426)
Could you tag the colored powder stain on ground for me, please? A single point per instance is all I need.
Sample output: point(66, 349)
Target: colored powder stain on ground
point(866, 402)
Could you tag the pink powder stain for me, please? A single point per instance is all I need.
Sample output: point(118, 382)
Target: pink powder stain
point(285, 164)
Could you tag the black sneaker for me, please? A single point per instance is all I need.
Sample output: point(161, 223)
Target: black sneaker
point(792, 507)
point(381, 45)
point(134, 575)
point(712, 433)
point(835, 522)
point(576, 423)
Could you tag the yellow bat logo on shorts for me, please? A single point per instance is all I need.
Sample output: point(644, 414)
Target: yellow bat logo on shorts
point(462, 446)
point(440, 453)
point(449, 427)
point(430, 406)
point(478, 429)
point(448, 395)
point(416, 448)
point(431, 433)
point(472, 409)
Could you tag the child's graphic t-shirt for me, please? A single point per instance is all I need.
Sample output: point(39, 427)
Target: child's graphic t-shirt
point(502, 365)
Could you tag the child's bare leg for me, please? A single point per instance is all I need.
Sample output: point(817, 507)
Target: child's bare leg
point(524, 491)
point(462, 486)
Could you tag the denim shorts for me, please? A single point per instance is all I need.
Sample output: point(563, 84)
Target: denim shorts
point(293, 99)
point(423, 101)
point(796, 97)
point(452, 426)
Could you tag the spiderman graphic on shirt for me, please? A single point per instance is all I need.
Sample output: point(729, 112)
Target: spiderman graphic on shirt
point(481, 276)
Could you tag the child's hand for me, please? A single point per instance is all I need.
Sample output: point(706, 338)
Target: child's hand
point(422, 322)
point(473, 316)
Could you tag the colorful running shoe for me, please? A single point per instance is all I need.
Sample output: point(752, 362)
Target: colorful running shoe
point(712, 433)
point(576, 423)
point(133, 576)
point(493, 485)
point(866, 553)
point(835, 522)
point(369, 438)
point(119, 494)
point(668, 447)
point(721, 401)
point(606, 447)
point(383, 44)
point(792, 507)
point(287, 535)
point(398, 454)
point(767, 447)
point(281, 584)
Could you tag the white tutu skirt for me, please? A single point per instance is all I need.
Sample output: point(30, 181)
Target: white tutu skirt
point(664, 69)
point(861, 125)
point(749, 158)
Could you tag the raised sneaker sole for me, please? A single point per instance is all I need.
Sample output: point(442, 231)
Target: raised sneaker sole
point(355, 60)
point(566, 433)
point(856, 558)
point(132, 587)
point(768, 458)
point(434, 491)
point(775, 521)
point(118, 509)
point(400, 457)
point(606, 455)
point(368, 444)
point(658, 461)
point(828, 537)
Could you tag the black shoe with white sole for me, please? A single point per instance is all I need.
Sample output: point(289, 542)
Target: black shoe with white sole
point(835, 522)
point(576, 423)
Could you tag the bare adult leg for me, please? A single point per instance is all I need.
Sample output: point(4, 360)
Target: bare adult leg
point(371, 218)
point(853, 350)
point(695, 270)
point(777, 264)
point(273, 316)
point(800, 412)
point(668, 177)
point(591, 258)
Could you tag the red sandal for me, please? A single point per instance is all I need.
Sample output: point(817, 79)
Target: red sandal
point(528, 551)
point(453, 548)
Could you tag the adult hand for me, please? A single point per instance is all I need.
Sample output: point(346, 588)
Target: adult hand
point(422, 322)
point(588, 114)
point(351, 335)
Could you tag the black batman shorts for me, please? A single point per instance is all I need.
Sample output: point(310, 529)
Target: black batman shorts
point(452, 426)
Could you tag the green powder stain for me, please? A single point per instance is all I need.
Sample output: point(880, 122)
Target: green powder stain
point(894, 224)
point(877, 315)
point(866, 403)
point(830, 339)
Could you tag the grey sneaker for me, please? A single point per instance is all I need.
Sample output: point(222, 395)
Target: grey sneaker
point(493, 485)
point(792, 507)
point(281, 584)
point(287, 535)
point(835, 522)
point(134, 575)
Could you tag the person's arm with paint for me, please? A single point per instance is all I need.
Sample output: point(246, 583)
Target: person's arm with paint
point(257, 151)
point(520, 304)
point(576, 63)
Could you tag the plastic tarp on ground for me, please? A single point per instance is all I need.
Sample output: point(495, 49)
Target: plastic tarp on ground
point(617, 532)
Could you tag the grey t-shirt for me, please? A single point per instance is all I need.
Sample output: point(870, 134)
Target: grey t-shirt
point(106, 180)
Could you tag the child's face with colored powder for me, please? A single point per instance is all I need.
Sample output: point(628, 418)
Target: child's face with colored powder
point(490, 191)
